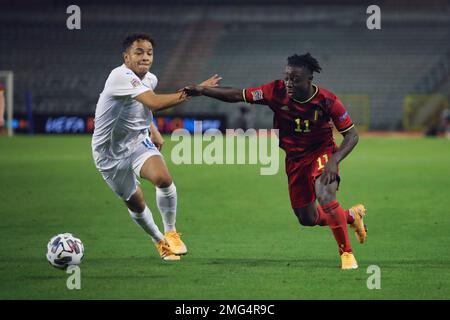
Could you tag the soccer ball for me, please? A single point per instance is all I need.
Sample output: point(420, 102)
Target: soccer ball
point(64, 250)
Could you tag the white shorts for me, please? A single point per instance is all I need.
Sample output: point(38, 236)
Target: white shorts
point(121, 174)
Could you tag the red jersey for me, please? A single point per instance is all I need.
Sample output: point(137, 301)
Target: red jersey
point(305, 127)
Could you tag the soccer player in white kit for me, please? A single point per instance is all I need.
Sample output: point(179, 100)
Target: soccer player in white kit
point(123, 149)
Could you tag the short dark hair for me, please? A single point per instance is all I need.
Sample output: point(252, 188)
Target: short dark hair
point(132, 37)
point(304, 61)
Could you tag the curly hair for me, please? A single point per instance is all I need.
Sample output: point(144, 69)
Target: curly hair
point(304, 61)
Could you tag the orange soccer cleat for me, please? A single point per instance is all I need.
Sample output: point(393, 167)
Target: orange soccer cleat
point(176, 245)
point(358, 225)
point(165, 252)
point(348, 261)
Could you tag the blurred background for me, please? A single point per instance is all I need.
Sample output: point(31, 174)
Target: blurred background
point(393, 79)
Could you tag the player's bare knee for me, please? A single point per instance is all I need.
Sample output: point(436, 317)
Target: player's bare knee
point(163, 181)
point(324, 197)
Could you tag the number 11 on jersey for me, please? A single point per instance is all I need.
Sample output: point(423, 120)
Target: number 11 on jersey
point(298, 128)
point(322, 164)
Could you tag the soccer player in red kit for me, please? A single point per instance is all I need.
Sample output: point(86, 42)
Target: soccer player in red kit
point(302, 114)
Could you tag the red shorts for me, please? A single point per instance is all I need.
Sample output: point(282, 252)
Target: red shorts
point(302, 174)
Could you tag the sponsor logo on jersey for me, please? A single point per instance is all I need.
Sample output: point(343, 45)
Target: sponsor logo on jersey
point(257, 95)
point(343, 117)
point(285, 108)
point(135, 82)
point(148, 144)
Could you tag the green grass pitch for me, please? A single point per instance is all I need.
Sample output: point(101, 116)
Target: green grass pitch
point(243, 239)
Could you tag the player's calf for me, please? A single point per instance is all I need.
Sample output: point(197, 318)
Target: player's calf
point(307, 216)
point(306, 221)
point(136, 203)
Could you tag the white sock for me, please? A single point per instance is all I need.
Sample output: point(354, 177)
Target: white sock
point(146, 222)
point(166, 199)
point(351, 213)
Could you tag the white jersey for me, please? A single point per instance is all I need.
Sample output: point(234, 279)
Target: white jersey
point(120, 121)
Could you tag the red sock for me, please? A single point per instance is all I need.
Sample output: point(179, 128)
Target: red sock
point(321, 219)
point(337, 222)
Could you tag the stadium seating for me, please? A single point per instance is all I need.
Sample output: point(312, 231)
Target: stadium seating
point(65, 70)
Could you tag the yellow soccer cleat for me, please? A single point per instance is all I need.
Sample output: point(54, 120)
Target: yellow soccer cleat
point(358, 225)
point(176, 245)
point(348, 261)
point(164, 251)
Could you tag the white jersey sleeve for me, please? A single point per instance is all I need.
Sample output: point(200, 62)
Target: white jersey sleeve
point(153, 80)
point(124, 82)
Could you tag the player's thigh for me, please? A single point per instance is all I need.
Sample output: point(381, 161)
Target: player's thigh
point(155, 170)
point(326, 192)
point(148, 163)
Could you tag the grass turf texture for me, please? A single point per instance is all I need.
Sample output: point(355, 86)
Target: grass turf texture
point(244, 242)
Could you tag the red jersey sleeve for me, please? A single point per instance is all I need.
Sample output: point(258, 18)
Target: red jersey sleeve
point(340, 117)
point(262, 94)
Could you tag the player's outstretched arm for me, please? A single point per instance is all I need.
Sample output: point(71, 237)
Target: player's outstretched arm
point(221, 93)
point(351, 138)
point(156, 102)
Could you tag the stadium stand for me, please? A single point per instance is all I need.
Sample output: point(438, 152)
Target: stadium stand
point(247, 45)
